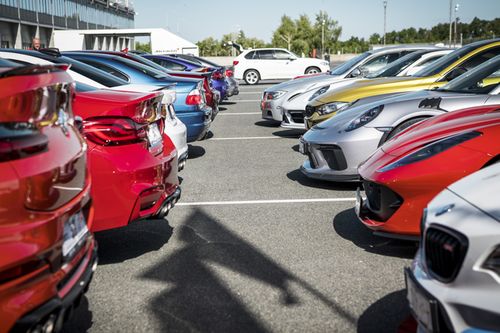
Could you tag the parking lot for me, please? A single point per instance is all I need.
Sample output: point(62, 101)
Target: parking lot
point(252, 246)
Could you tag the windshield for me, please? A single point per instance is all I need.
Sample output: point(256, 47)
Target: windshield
point(149, 71)
point(480, 80)
point(441, 64)
point(346, 66)
point(397, 66)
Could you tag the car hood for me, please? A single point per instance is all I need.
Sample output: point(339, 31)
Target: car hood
point(370, 87)
point(484, 193)
point(305, 83)
point(482, 119)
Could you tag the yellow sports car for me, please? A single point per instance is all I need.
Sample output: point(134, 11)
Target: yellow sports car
point(433, 76)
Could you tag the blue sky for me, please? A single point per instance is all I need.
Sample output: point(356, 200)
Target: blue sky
point(198, 19)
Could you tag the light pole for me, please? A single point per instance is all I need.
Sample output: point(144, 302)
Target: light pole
point(323, 38)
point(385, 18)
point(451, 11)
point(456, 22)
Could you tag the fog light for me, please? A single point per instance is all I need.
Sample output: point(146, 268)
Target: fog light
point(49, 325)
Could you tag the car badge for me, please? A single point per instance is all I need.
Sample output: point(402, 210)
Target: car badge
point(448, 247)
point(445, 209)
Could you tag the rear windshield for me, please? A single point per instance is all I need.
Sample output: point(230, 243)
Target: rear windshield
point(149, 71)
point(346, 66)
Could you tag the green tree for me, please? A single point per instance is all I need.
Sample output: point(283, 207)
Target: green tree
point(144, 47)
point(286, 32)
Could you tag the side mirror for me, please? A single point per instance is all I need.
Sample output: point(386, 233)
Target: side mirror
point(356, 72)
point(455, 73)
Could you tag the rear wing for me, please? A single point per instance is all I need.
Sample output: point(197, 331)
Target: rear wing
point(34, 69)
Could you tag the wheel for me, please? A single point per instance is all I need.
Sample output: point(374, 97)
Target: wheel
point(312, 70)
point(401, 127)
point(252, 77)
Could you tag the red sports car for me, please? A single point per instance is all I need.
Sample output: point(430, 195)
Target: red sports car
point(132, 162)
point(403, 175)
point(47, 254)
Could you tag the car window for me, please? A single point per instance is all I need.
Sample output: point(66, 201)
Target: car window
point(281, 55)
point(480, 58)
point(92, 72)
point(445, 61)
point(397, 66)
point(346, 66)
point(266, 54)
point(379, 62)
point(480, 80)
point(106, 68)
point(250, 55)
point(430, 60)
point(169, 64)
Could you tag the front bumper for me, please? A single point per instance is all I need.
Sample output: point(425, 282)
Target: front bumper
point(293, 119)
point(59, 309)
point(271, 109)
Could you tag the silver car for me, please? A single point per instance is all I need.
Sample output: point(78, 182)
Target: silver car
point(293, 108)
point(338, 145)
point(454, 282)
point(362, 65)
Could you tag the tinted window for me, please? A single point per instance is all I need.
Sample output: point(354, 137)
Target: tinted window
point(398, 66)
point(379, 62)
point(250, 55)
point(142, 68)
point(280, 54)
point(106, 68)
point(266, 54)
point(444, 62)
point(170, 65)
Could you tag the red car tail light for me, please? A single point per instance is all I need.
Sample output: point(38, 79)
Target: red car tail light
point(235, 62)
point(194, 97)
point(217, 75)
point(113, 131)
point(229, 73)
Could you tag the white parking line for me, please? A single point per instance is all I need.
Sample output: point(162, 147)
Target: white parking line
point(237, 113)
point(260, 202)
point(247, 138)
point(245, 100)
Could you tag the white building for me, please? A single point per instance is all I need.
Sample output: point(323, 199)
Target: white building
point(162, 41)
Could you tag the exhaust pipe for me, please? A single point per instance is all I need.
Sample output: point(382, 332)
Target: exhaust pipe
point(168, 204)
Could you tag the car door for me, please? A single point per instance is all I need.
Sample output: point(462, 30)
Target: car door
point(266, 64)
point(286, 65)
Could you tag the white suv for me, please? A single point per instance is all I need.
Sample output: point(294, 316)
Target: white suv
point(269, 64)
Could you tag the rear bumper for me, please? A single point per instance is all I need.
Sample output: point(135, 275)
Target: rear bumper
point(60, 309)
point(197, 123)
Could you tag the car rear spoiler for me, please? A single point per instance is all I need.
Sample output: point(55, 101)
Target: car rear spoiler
point(34, 69)
point(200, 74)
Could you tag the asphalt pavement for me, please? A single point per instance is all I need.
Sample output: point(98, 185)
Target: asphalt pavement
point(253, 246)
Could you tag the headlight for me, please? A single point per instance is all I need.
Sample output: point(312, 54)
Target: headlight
point(492, 263)
point(274, 95)
point(365, 118)
point(331, 107)
point(431, 150)
point(318, 92)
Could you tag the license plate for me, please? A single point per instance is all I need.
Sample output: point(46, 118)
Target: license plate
point(420, 305)
point(74, 233)
point(154, 136)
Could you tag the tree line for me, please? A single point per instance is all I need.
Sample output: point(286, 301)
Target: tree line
point(303, 35)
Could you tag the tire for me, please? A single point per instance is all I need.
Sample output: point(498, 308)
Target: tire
point(251, 77)
point(312, 70)
point(401, 127)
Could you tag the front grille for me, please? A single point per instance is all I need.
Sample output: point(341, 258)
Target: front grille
point(297, 116)
point(334, 157)
point(444, 252)
point(382, 201)
point(309, 111)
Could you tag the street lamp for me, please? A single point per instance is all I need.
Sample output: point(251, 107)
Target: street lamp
point(323, 38)
point(385, 18)
point(451, 11)
point(456, 22)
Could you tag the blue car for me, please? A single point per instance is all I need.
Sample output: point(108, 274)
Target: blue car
point(180, 62)
point(190, 102)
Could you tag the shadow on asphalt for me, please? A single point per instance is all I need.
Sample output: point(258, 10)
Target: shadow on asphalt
point(132, 241)
point(289, 133)
point(81, 320)
point(222, 109)
point(347, 226)
point(386, 314)
point(297, 176)
point(228, 103)
point(195, 151)
point(196, 299)
point(295, 148)
point(267, 123)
